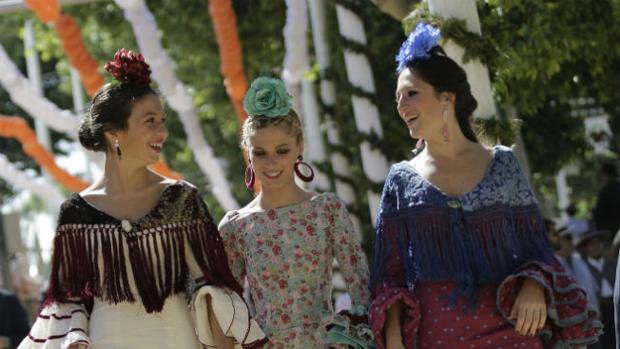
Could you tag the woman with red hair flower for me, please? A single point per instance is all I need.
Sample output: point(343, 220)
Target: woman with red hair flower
point(126, 247)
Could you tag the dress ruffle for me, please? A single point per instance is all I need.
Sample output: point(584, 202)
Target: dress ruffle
point(58, 326)
point(410, 319)
point(573, 322)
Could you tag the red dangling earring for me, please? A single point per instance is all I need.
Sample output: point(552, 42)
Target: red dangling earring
point(118, 149)
point(444, 129)
point(301, 176)
point(249, 172)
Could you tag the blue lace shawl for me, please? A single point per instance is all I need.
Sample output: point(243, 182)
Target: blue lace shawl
point(480, 237)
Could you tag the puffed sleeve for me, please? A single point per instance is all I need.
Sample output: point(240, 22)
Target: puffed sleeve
point(64, 316)
point(208, 264)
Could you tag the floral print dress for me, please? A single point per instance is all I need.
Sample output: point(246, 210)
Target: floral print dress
point(287, 254)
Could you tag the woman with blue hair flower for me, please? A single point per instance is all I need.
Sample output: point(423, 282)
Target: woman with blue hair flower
point(461, 256)
point(285, 240)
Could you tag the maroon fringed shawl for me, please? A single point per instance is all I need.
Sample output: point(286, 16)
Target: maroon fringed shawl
point(95, 257)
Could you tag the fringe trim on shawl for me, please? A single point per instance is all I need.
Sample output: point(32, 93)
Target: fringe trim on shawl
point(470, 248)
point(90, 261)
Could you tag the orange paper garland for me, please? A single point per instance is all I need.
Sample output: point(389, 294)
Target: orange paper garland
point(231, 58)
point(73, 45)
point(46, 10)
point(18, 128)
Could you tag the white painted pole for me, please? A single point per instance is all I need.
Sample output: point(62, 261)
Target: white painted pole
point(340, 164)
point(359, 73)
point(477, 73)
point(34, 77)
point(296, 64)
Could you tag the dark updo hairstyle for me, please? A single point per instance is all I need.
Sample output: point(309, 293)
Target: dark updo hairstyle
point(111, 107)
point(445, 75)
point(109, 111)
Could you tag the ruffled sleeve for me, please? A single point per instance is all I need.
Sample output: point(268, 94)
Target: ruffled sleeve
point(208, 265)
point(57, 326)
point(390, 282)
point(63, 319)
point(572, 320)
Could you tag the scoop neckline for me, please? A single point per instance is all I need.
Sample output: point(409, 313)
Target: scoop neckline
point(487, 173)
point(285, 207)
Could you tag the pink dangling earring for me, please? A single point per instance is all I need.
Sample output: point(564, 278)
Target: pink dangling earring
point(444, 129)
point(300, 174)
point(418, 146)
point(117, 146)
point(249, 172)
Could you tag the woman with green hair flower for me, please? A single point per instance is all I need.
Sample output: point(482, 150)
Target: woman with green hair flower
point(285, 240)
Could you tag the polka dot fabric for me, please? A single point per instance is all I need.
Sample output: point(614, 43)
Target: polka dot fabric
point(460, 328)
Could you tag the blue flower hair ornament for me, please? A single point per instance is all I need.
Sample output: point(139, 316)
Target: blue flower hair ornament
point(267, 97)
point(418, 45)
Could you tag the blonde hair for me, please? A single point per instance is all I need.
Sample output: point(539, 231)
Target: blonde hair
point(290, 122)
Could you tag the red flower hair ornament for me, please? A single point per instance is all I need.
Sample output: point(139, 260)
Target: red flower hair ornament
point(129, 67)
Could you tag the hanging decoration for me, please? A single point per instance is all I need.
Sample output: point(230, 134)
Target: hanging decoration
point(162, 67)
point(231, 56)
point(24, 181)
point(79, 58)
point(19, 129)
point(24, 95)
point(46, 10)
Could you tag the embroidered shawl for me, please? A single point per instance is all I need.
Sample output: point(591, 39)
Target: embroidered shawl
point(177, 240)
point(480, 237)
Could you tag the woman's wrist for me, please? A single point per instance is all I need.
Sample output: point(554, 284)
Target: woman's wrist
point(392, 329)
point(532, 283)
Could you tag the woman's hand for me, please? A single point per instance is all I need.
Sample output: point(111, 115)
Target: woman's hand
point(530, 308)
point(394, 341)
point(219, 338)
point(393, 334)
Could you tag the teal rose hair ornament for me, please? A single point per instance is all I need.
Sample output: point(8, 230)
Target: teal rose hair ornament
point(267, 97)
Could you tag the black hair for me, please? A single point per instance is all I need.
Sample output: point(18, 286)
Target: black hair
point(110, 109)
point(445, 75)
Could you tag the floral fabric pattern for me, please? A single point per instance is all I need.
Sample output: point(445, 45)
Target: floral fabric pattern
point(287, 255)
